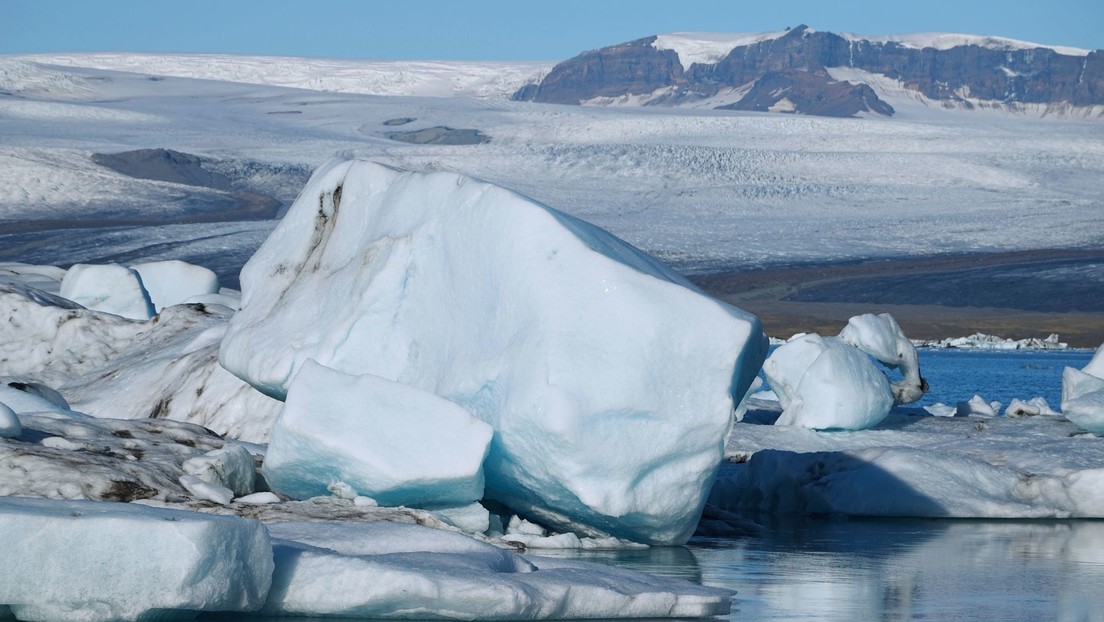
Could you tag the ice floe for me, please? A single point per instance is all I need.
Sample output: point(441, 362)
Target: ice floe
point(1083, 394)
point(554, 332)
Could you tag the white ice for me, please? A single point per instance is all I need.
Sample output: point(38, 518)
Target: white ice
point(560, 336)
point(825, 383)
point(86, 561)
point(882, 338)
point(163, 368)
point(977, 405)
point(389, 441)
point(110, 288)
point(1083, 394)
point(9, 422)
point(388, 570)
point(917, 465)
point(172, 282)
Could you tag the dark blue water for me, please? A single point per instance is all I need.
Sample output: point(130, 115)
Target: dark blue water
point(956, 375)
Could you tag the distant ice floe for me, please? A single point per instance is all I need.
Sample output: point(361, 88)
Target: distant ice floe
point(982, 341)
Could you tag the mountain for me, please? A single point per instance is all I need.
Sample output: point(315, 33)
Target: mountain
point(805, 71)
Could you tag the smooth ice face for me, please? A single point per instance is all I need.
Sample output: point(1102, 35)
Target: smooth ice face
point(392, 442)
point(608, 378)
point(9, 422)
point(110, 288)
point(88, 561)
point(882, 338)
point(172, 282)
point(390, 570)
point(1083, 394)
point(824, 383)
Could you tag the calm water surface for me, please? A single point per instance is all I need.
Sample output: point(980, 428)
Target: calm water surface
point(896, 570)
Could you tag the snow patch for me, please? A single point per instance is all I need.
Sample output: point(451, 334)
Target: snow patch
point(709, 47)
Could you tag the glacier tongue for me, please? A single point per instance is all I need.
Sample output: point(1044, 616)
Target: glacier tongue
point(607, 378)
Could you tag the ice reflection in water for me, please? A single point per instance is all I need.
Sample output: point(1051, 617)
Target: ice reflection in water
point(897, 570)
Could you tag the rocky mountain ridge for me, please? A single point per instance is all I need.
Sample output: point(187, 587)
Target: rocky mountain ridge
point(793, 72)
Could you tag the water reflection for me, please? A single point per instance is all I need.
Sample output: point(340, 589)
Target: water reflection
point(906, 570)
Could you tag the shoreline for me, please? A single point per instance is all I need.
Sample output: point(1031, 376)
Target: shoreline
point(821, 298)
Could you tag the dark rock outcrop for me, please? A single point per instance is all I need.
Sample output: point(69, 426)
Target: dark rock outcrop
point(795, 66)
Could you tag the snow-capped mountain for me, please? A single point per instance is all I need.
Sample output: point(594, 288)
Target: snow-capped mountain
point(801, 70)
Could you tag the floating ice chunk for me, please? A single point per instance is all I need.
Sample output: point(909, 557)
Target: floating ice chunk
point(881, 337)
point(392, 570)
point(9, 422)
point(173, 282)
point(109, 288)
point(554, 332)
point(939, 409)
point(207, 491)
point(230, 466)
point(392, 442)
point(824, 383)
point(977, 405)
point(1029, 408)
point(88, 561)
point(1083, 394)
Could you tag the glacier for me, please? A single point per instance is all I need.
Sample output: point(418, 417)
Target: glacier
point(609, 380)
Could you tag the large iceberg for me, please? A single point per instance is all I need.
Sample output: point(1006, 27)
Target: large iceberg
point(609, 380)
point(89, 561)
point(388, 441)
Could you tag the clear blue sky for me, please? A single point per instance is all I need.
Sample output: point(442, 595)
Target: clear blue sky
point(498, 29)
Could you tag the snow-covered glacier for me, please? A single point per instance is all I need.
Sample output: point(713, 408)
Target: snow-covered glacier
point(608, 379)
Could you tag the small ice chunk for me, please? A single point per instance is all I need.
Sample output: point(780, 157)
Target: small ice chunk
point(1032, 407)
point(341, 490)
point(89, 561)
point(109, 288)
point(939, 409)
point(392, 442)
point(471, 518)
point(1083, 394)
point(365, 502)
point(173, 282)
point(258, 498)
point(230, 467)
point(977, 405)
point(9, 422)
point(519, 525)
point(204, 490)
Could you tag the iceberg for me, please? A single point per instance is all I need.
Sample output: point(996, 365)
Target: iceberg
point(824, 383)
point(390, 570)
point(1083, 394)
point(830, 382)
point(392, 442)
point(166, 367)
point(882, 338)
point(916, 465)
point(173, 282)
point(110, 288)
point(609, 380)
point(88, 561)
